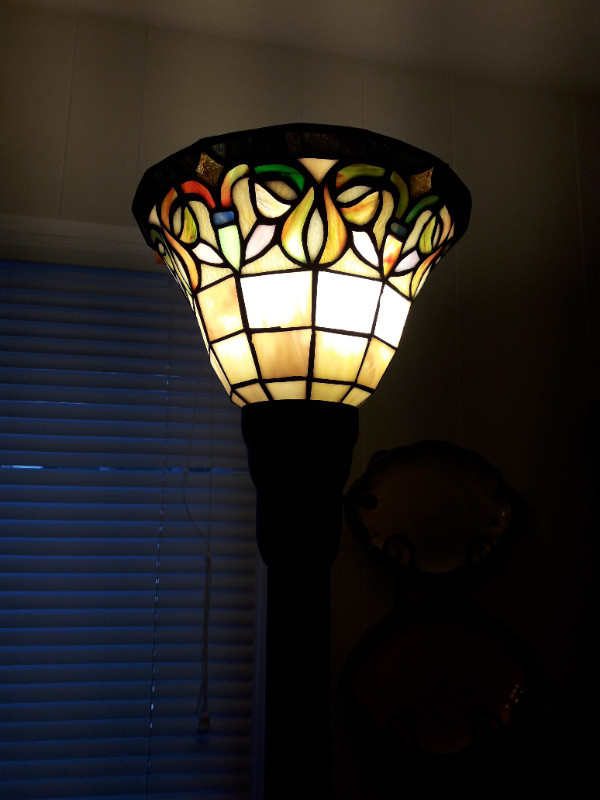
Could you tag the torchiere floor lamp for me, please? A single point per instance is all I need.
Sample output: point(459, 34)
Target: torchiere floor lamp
point(300, 249)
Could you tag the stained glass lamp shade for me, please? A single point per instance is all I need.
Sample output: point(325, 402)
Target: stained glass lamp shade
point(300, 249)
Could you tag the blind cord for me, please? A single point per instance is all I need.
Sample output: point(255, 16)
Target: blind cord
point(201, 710)
point(157, 565)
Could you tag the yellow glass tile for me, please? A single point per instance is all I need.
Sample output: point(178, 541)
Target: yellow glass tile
point(207, 232)
point(356, 397)
point(269, 205)
point(231, 177)
point(393, 310)
point(353, 193)
point(220, 308)
point(386, 212)
point(166, 206)
point(282, 190)
point(192, 280)
point(402, 283)
point(351, 264)
point(236, 358)
point(318, 167)
point(403, 195)
point(254, 393)
point(283, 300)
point(337, 356)
point(210, 274)
point(229, 239)
point(426, 243)
point(153, 218)
point(336, 231)
point(354, 171)
point(282, 354)
point(219, 372)
point(273, 260)
point(417, 287)
point(288, 390)
point(241, 200)
point(391, 253)
point(291, 235)
point(421, 274)
point(447, 222)
point(414, 235)
point(331, 392)
point(360, 213)
point(375, 364)
point(346, 302)
point(237, 400)
point(184, 225)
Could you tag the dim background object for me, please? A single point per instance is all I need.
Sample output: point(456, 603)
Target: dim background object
point(440, 680)
point(435, 507)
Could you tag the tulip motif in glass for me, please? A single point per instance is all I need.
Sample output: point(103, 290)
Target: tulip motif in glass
point(301, 269)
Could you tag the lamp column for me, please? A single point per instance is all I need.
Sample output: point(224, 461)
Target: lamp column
point(299, 453)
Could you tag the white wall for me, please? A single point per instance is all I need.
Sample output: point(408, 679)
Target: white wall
point(500, 353)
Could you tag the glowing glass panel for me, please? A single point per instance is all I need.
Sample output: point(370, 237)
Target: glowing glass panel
point(273, 260)
point(356, 396)
point(391, 253)
point(254, 393)
point(331, 392)
point(282, 354)
point(353, 193)
point(268, 204)
point(203, 216)
point(336, 231)
point(283, 300)
point(364, 245)
point(402, 283)
point(292, 234)
point(229, 239)
point(375, 364)
point(386, 212)
point(363, 211)
point(318, 167)
point(241, 200)
point(220, 309)
point(315, 235)
point(236, 358)
point(357, 171)
point(338, 356)
point(204, 252)
point(346, 302)
point(282, 190)
point(211, 274)
point(232, 176)
point(414, 235)
point(261, 236)
point(393, 310)
point(351, 264)
point(288, 390)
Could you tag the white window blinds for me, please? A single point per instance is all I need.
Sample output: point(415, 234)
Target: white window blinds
point(121, 459)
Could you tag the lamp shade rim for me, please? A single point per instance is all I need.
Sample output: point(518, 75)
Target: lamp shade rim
point(302, 140)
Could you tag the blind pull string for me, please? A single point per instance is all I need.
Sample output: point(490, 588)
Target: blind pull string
point(201, 709)
point(157, 562)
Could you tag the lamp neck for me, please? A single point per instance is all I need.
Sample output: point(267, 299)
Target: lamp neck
point(299, 454)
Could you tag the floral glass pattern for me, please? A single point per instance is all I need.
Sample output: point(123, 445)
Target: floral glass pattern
point(301, 271)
